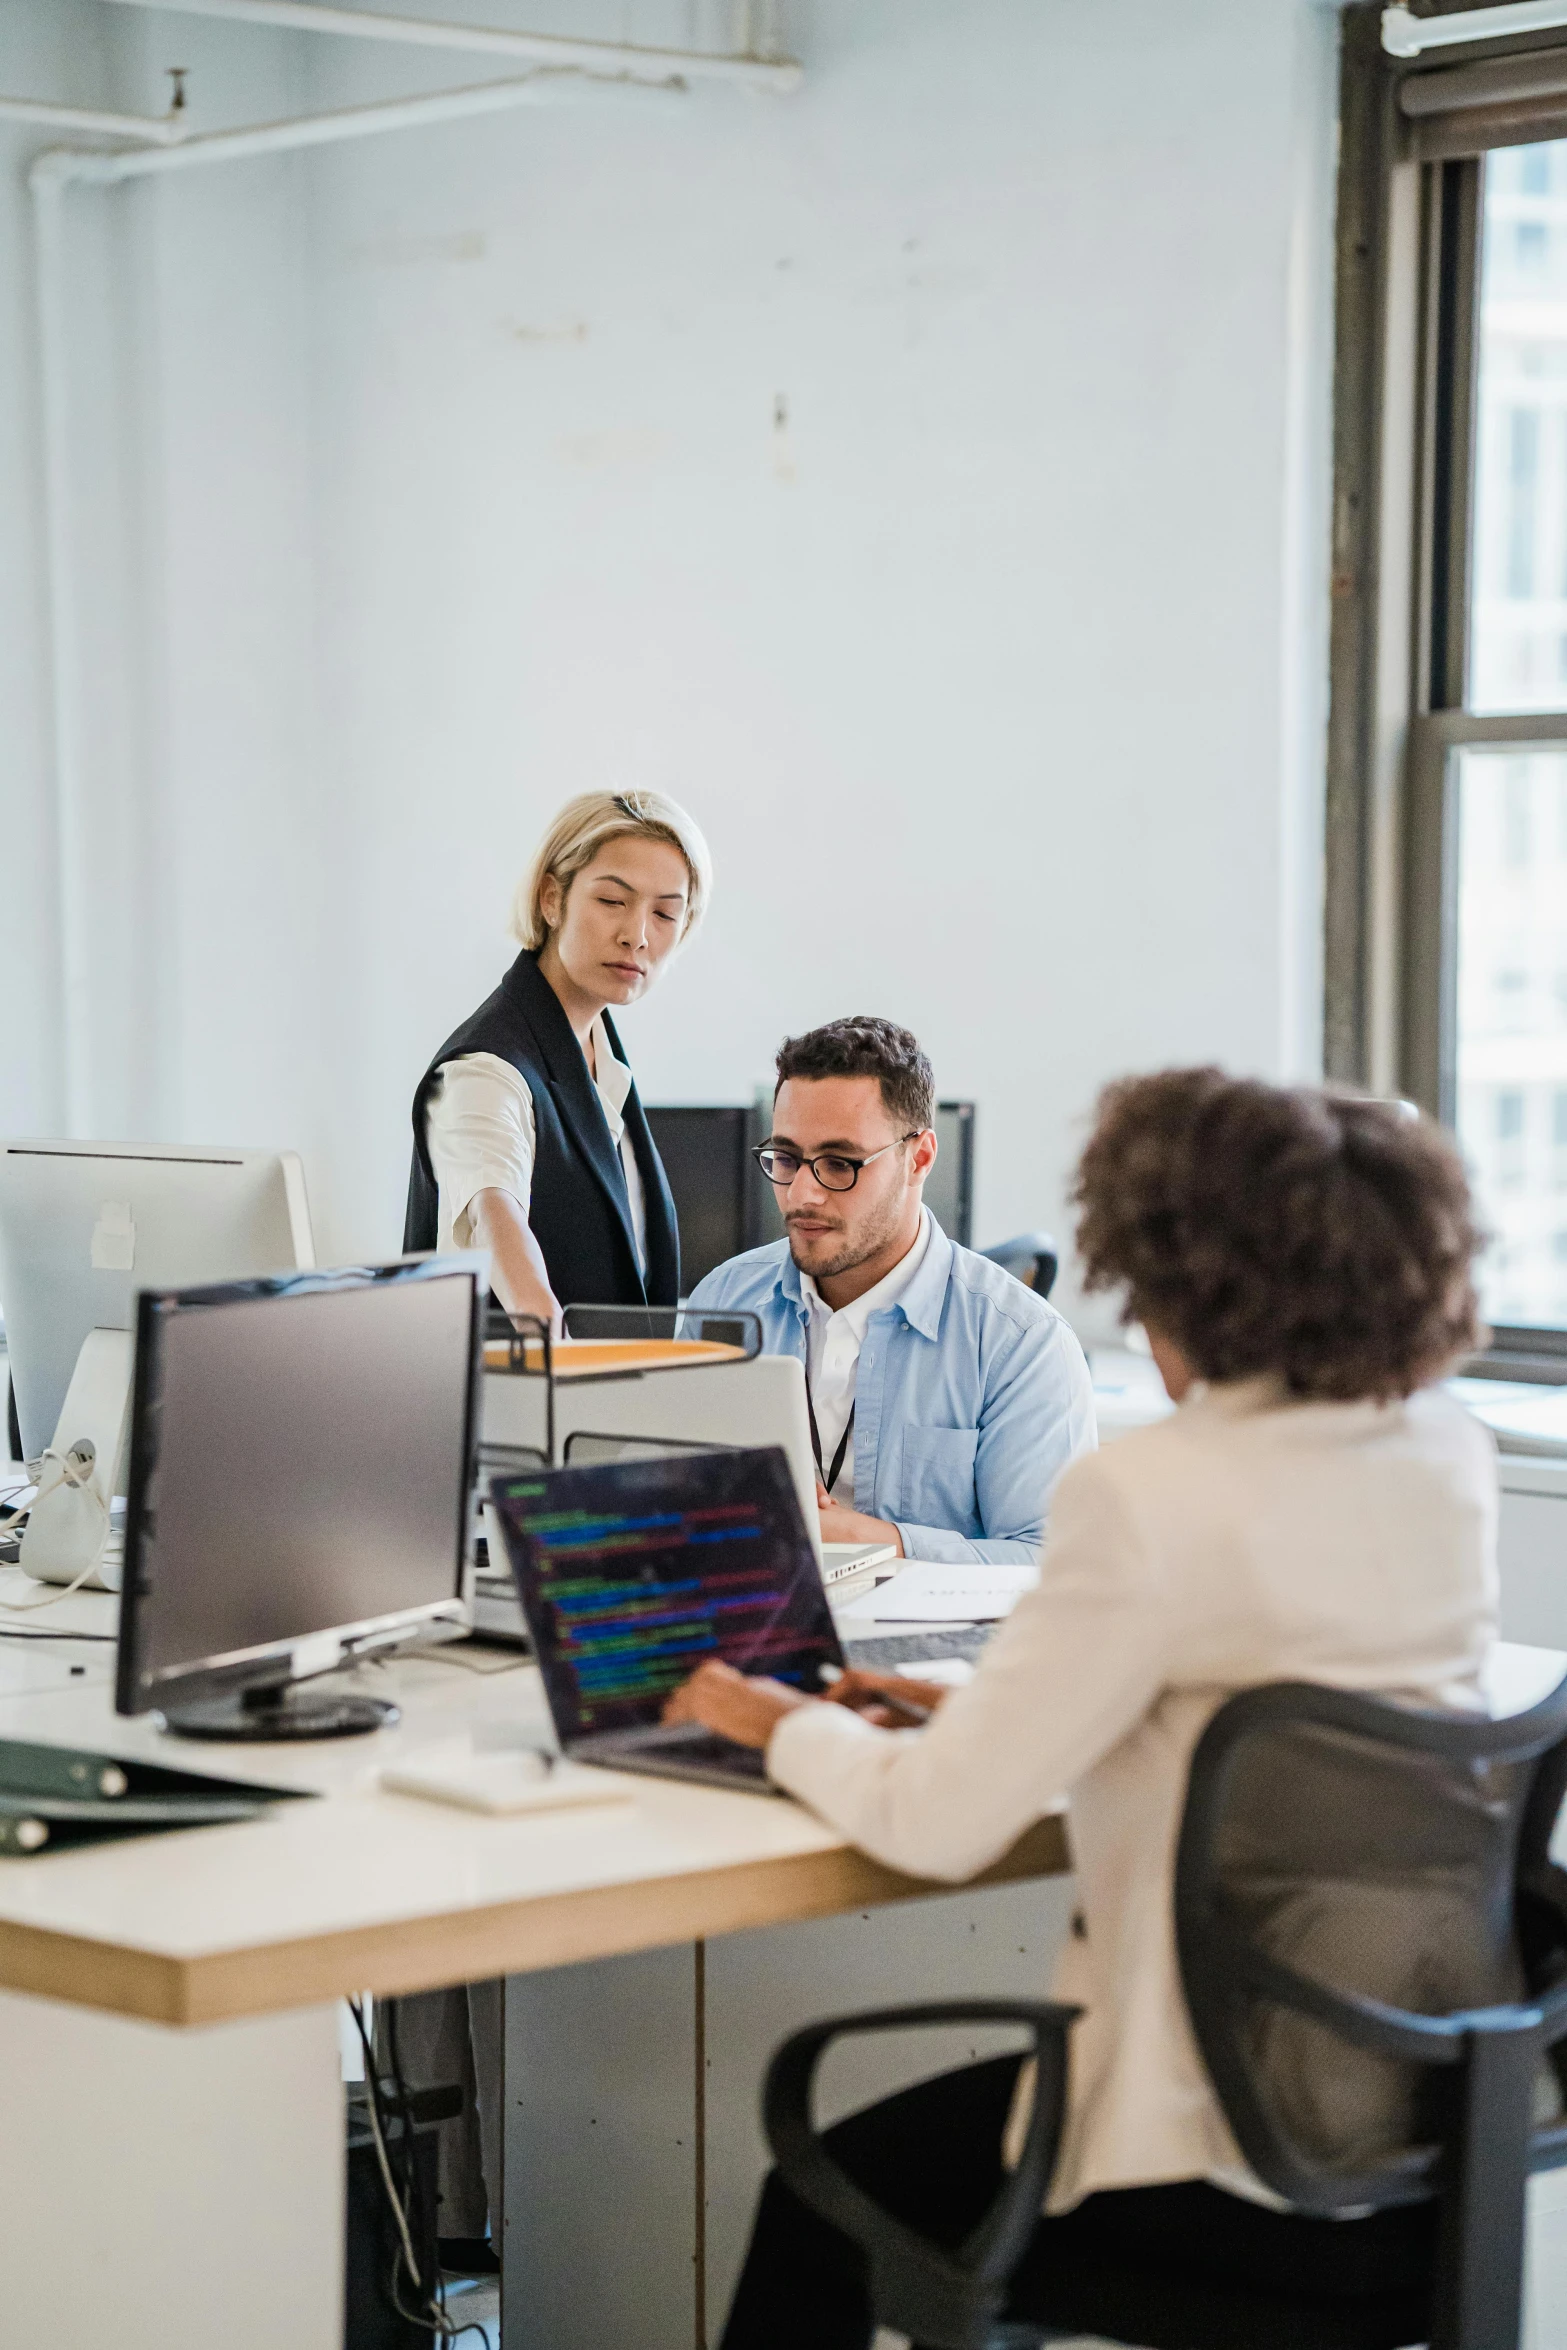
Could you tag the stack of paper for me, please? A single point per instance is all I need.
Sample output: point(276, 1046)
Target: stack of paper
point(926, 1592)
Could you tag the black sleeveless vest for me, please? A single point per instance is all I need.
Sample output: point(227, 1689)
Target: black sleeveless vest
point(579, 1210)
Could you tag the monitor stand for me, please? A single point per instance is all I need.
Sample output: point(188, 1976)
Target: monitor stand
point(274, 1711)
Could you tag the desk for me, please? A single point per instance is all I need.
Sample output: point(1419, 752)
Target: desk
point(148, 2171)
point(182, 2189)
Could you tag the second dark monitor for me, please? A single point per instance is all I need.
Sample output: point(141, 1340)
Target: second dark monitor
point(724, 1207)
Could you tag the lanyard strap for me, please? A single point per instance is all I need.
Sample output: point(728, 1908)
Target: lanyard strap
point(829, 1479)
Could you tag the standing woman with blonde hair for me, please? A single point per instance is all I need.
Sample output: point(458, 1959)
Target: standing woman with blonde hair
point(529, 1138)
point(530, 1141)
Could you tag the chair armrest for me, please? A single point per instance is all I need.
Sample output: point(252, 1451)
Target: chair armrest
point(944, 2297)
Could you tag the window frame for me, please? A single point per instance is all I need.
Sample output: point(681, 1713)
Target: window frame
point(1408, 258)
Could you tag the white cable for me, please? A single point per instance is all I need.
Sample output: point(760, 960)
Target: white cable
point(433, 2312)
point(75, 1470)
point(386, 2168)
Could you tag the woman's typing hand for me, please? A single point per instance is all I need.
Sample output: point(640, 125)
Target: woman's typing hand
point(749, 1708)
point(737, 1705)
point(892, 1701)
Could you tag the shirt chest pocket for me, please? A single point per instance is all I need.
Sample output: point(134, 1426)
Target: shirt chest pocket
point(937, 1484)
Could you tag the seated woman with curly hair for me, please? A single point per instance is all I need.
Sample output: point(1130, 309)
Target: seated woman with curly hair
point(1315, 1509)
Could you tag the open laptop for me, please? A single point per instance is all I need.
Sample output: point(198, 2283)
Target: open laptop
point(631, 1572)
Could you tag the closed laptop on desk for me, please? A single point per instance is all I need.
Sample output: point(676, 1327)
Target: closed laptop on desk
point(631, 1573)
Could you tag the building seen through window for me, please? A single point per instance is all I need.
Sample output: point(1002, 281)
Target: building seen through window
point(1518, 641)
point(1510, 1012)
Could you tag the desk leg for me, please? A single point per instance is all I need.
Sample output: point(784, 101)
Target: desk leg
point(601, 2160)
point(170, 2190)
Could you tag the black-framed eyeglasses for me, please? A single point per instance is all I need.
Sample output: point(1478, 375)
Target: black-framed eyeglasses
point(832, 1172)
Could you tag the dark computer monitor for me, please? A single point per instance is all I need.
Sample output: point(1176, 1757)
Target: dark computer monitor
point(301, 1460)
point(724, 1205)
point(949, 1187)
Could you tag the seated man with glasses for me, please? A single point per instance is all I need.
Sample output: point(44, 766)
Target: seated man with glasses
point(945, 1398)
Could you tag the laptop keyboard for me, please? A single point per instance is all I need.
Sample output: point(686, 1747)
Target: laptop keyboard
point(682, 1744)
point(743, 1761)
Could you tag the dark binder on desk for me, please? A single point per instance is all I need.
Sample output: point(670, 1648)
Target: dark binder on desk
point(59, 1795)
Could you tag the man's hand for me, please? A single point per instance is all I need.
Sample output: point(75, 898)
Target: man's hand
point(734, 1704)
point(841, 1525)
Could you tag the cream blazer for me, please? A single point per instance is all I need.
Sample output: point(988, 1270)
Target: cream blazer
point(1245, 1539)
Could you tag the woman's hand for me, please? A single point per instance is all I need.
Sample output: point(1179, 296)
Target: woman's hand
point(889, 1700)
point(517, 1272)
point(736, 1705)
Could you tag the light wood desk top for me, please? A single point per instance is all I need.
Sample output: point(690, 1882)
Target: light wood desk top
point(370, 1891)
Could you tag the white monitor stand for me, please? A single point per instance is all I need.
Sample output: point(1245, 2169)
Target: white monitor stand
point(67, 1537)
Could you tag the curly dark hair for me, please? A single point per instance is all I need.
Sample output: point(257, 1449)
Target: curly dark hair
point(863, 1046)
point(1317, 1234)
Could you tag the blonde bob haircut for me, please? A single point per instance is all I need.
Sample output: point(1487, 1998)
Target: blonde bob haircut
point(581, 830)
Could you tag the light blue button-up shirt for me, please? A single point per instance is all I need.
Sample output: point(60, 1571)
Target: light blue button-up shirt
point(971, 1397)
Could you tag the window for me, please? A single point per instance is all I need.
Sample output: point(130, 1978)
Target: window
point(1446, 948)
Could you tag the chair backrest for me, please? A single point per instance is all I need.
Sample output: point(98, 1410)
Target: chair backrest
point(1031, 1258)
point(1394, 1856)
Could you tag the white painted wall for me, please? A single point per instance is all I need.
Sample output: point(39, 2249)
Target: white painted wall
point(457, 483)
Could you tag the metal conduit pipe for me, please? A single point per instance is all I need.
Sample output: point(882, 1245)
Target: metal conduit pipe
point(1407, 35)
point(160, 130)
point(308, 130)
point(49, 179)
point(623, 60)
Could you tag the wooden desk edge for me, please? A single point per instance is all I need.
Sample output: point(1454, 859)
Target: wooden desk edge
point(515, 1937)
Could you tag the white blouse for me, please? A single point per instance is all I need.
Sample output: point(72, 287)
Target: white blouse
point(1245, 1539)
point(479, 1129)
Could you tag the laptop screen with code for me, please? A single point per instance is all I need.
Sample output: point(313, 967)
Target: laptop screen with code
point(632, 1573)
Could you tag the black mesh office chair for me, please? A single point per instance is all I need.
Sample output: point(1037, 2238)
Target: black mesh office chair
point(1373, 1944)
point(1031, 1258)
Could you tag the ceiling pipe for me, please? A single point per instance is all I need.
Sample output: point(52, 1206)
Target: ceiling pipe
point(1407, 35)
point(63, 164)
point(160, 130)
point(624, 61)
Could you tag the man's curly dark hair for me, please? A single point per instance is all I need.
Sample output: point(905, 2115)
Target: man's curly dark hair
point(864, 1046)
point(1317, 1234)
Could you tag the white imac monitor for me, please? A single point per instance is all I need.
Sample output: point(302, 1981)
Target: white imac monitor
point(85, 1225)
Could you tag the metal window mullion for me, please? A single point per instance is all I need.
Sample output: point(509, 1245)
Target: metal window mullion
point(1453, 357)
point(1465, 730)
point(1368, 137)
point(1430, 920)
